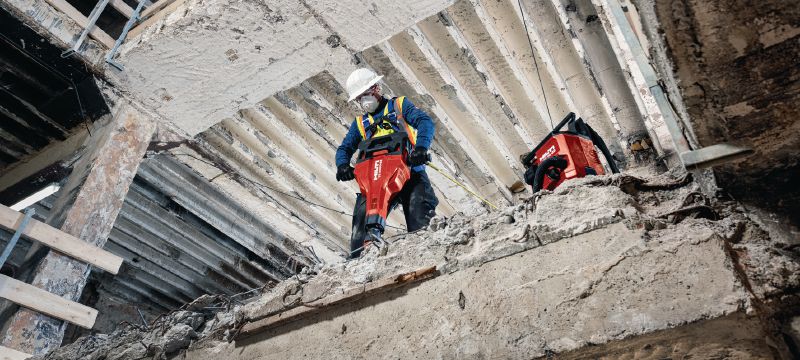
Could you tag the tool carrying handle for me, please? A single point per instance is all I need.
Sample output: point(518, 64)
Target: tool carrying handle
point(598, 141)
point(567, 119)
point(394, 144)
point(528, 158)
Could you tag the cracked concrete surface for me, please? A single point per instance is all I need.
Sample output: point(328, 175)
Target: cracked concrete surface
point(615, 272)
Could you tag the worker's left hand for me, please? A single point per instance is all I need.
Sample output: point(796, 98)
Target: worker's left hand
point(418, 157)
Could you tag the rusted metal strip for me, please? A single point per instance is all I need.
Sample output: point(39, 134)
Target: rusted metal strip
point(348, 296)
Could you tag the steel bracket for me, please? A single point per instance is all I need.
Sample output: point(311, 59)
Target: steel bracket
point(13, 242)
point(135, 17)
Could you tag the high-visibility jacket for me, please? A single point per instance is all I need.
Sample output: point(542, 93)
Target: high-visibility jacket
point(400, 112)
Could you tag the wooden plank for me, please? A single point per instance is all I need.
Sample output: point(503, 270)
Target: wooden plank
point(46, 303)
point(350, 295)
point(7, 353)
point(61, 241)
point(122, 7)
point(158, 6)
point(153, 14)
point(73, 13)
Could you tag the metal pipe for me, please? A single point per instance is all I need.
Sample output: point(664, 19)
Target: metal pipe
point(13, 242)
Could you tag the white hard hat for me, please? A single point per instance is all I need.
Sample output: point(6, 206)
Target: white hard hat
point(361, 80)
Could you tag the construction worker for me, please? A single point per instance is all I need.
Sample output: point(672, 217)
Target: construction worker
point(417, 196)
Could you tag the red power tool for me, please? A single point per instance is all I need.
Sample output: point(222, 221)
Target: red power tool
point(567, 154)
point(381, 172)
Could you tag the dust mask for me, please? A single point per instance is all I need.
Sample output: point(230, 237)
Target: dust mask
point(369, 103)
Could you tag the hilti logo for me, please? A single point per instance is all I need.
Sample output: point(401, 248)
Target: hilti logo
point(376, 172)
point(550, 151)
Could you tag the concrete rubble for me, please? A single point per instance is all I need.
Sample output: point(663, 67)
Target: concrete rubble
point(616, 266)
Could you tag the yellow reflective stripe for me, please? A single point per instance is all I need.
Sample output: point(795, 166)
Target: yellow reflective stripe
point(412, 133)
point(360, 123)
point(399, 107)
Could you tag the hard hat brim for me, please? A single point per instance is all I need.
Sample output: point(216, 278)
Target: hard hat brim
point(365, 88)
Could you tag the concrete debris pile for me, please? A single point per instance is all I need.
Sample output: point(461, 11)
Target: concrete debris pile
point(616, 260)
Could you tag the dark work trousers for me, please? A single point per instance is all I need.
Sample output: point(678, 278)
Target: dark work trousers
point(419, 206)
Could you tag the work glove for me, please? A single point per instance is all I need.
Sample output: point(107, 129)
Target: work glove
point(345, 173)
point(530, 174)
point(419, 156)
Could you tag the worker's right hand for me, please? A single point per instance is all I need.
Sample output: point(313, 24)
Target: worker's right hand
point(345, 173)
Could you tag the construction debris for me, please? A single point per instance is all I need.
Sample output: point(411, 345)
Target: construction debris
point(725, 264)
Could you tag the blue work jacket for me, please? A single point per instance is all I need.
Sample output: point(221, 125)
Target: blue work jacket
point(415, 117)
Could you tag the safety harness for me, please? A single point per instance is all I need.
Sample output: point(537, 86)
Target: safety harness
point(368, 128)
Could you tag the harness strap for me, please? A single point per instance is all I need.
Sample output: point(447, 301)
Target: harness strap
point(412, 133)
point(392, 104)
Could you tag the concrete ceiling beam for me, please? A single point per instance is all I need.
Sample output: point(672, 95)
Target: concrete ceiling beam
point(134, 292)
point(466, 161)
point(157, 276)
point(565, 62)
point(293, 169)
point(255, 163)
point(448, 152)
point(601, 61)
point(647, 104)
point(293, 131)
point(193, 192)
point(477, 127)
point(471, 131)
point(487, 45)
point(203, 252)
point(186, 270)
point(472, 76)
point(504, 16)
point(258, 200)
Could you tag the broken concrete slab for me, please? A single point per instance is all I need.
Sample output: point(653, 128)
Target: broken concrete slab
point(523, 282)
point(600, 286)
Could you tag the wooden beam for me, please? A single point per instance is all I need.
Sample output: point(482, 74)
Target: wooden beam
point(158, 6)
point(46, 303)
point(61, 241)
point(122, 7)
point(11, 354)
point(153, 14)
point(73, 13)
point(350, 295)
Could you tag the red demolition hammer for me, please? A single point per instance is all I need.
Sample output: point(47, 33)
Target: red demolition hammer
point(381, 172)
point(567, 154)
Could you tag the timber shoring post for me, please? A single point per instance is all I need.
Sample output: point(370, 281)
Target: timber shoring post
point(86, 208)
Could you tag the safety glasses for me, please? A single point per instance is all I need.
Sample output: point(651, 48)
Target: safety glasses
point(367, 92)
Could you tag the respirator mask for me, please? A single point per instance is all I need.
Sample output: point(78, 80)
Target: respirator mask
point(369, 103)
